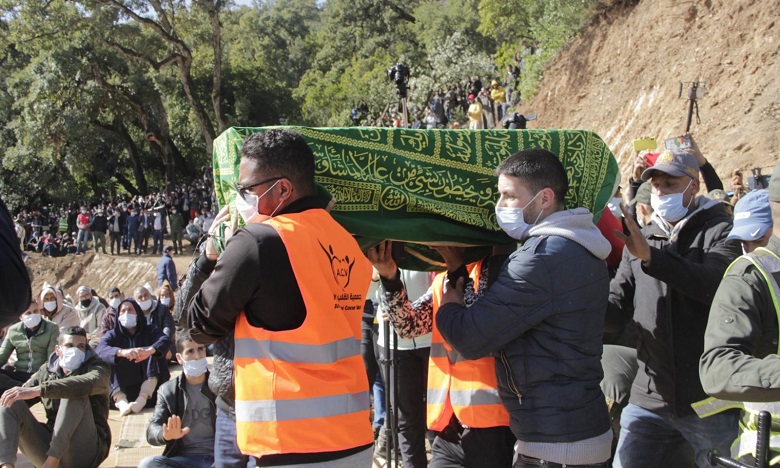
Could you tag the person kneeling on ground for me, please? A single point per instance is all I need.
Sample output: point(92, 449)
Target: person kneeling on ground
point(184, 400)
point(134, 348)
point(73, 387)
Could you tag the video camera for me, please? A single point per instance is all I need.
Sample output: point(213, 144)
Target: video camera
point(517, 121)
point(399, 74)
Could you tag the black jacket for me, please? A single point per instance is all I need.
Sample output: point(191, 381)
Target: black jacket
point(172, 400)
point(669, 300)
point(15, 287)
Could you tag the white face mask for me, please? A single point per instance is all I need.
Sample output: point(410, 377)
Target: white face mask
point(145, 305)
point(72, 358)
point(128, 320)
point(512, 222)
point(32, 320)
point(248, 208)
point(670, 207)
point(165, 301)
point(614, 207)
point(50, 306)
point(196, 367)
point(115, 303)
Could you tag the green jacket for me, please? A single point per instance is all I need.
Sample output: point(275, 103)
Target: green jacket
point(740, 360)
point(31, 353)
point(176, 222)
point(91, 379)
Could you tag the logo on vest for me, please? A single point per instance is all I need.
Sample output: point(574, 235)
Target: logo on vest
point(341, 267)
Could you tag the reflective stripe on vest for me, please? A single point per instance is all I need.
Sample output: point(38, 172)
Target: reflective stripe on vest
point(297, 352)
point(767, 263)
point(465, 388)
point(301, 408)
point(305, 390)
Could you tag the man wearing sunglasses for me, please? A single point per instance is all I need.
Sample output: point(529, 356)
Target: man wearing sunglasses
point(300, 395)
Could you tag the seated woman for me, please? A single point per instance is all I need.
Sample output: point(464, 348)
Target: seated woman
point(90, 312)
point(56, 310)
point(136, 350)
point(33, 339)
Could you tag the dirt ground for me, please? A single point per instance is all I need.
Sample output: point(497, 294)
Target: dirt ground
point(101, 272)
point(621, 78)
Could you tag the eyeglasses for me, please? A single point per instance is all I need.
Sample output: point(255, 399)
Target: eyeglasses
point(243, 189)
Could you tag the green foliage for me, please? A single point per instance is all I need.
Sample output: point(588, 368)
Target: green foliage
point(86, 82)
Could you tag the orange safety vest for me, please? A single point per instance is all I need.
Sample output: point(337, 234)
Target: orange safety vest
point(305, 390)
point(466, 387)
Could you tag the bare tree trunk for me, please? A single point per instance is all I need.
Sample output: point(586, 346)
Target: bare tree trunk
point(135, 159)
point(213, 10)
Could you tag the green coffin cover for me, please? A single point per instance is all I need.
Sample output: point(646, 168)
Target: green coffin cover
point(427, 187)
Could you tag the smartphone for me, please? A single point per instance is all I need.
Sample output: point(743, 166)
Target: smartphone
point(680, 142)
point(642, 144)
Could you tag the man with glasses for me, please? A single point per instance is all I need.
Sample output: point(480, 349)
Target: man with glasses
point(301, 393)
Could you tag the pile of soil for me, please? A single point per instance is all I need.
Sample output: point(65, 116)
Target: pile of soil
point(621, 78)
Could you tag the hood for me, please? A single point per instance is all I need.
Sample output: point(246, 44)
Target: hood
point(85, 311)
point(54, 360)
point(575, 225)
point(140, 317)
point(47, 288)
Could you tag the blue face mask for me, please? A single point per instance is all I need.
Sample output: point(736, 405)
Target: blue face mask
point(513, 223)
point(670, 207)
point(196, 367)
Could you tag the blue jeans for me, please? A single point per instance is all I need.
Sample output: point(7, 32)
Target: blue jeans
point(158, 461)
point(83, 236)
point(379, 401)
point(646, 435)
point(226, 452)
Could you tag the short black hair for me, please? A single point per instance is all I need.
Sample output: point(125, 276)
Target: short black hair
point(538, 169)
point(282, 153)
point(181, 337)
point(73, 331)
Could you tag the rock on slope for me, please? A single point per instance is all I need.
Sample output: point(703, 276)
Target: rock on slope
point(621, 78)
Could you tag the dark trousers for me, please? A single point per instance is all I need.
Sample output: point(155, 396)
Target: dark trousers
point(157, 237)
point(145, 238)
point(115, 237)
point(412, 388)
point(10, 378)
point(136, 242)
point(476, 447)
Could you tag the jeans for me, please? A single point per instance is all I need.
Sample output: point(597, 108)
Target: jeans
point(646, 434)
point(412, 389)
point(157, 237)
point(82, 237)
point(158, 461)
point(136, 237)
point(380, 412)
point(226, 452)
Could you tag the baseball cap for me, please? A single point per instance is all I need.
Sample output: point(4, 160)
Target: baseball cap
point(774, 185)
point(642, 194)
point(676, 163)
point(752, 216)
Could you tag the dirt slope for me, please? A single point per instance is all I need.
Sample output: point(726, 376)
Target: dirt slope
point(621, 77)
point(100, 272)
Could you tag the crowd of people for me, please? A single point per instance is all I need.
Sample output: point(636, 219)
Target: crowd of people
point(624, 342)
point(123, 223)
point(471, 102)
